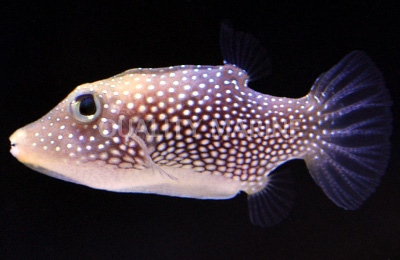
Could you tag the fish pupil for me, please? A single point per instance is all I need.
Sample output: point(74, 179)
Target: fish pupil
point(87, 106)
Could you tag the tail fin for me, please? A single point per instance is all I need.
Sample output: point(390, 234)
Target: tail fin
point(352, 152)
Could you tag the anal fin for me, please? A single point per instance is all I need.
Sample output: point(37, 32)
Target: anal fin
point(272, 204)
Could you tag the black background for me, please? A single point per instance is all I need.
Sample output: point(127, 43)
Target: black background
point(49, 47)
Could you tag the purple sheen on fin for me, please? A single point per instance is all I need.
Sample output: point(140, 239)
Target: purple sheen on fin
point(353, 152)
point(244, 51)
point(272, 204)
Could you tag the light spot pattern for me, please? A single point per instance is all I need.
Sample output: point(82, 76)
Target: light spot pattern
point(199, 117)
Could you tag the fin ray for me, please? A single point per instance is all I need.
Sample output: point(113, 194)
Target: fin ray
point(149, 163)
point(244, 51)
point(272, 204)
point(352, 154)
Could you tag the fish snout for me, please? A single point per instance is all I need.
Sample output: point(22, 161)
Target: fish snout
point(16, 139)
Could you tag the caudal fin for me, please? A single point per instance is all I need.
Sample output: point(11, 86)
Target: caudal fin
point(351, 153)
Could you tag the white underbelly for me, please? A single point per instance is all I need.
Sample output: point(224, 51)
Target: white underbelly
point(182, 183)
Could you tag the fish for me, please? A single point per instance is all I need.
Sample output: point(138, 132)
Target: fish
point(200, 131)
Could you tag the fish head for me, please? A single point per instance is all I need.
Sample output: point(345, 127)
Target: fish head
point(74, 138)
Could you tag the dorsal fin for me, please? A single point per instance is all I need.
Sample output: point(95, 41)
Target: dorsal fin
point(244, 51)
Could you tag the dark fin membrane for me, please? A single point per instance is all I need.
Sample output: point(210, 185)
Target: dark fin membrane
point(272, 204)
point(352, 154)
point(244, 51)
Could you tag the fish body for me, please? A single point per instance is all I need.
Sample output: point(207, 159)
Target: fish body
point(201, 132)
point(225, 132)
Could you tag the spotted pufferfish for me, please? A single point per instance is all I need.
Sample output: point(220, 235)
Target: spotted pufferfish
point(201, 132)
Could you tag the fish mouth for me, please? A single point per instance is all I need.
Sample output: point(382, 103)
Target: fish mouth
point(14, 149)
point(24, 153)
point(20, 147)
point(15, 139)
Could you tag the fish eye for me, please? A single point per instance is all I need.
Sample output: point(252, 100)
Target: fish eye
point(86, 107)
